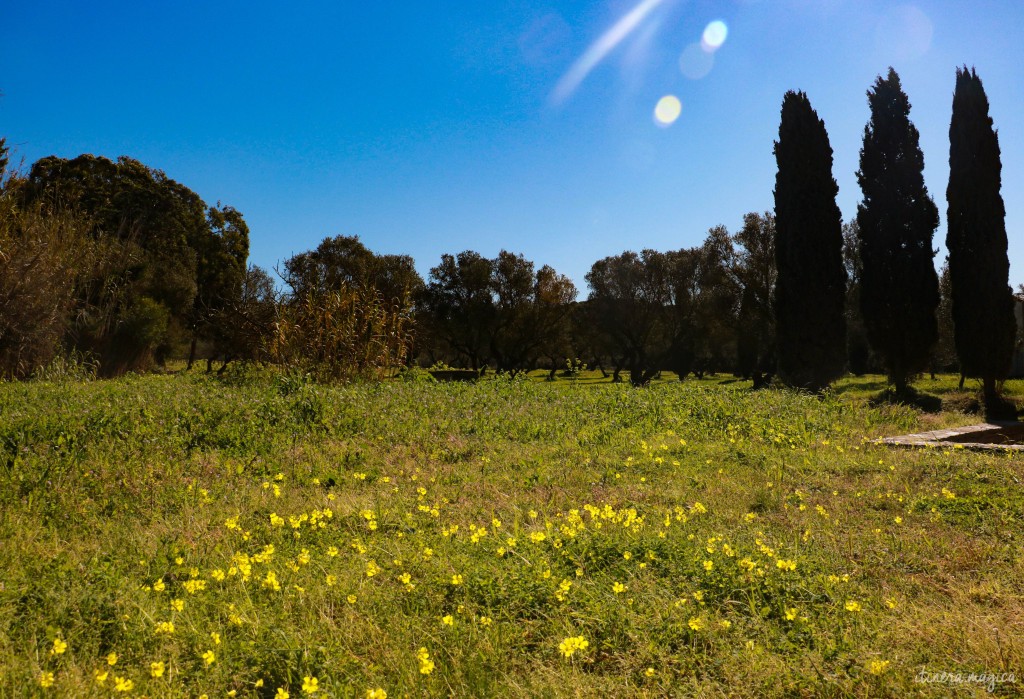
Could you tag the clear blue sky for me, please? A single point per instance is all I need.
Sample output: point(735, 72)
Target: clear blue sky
point(445, 125)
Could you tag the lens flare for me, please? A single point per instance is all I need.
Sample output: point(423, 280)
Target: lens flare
point(596, 52)
point(714, 36)
point(667, 110)
point(695, 62)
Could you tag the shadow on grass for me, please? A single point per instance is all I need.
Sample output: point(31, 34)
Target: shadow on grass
point(925, 402)
point(1001, 409)
point(858, 386)
point(731, 380)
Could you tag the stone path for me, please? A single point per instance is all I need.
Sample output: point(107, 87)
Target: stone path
point(954, 438)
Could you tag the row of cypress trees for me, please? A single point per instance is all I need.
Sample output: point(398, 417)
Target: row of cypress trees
point(897, 219)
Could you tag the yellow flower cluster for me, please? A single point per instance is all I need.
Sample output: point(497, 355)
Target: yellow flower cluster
point(570, 645)
point(426, 664)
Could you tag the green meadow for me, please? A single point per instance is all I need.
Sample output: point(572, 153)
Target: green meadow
point(259, 535)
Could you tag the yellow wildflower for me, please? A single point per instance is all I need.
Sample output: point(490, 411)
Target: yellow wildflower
point(877, 667)
point(426, 664)
point(572, 644)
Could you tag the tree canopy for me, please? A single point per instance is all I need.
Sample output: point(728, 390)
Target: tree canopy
point(896, 223)
point(982, 301)
point(810, 287)
point(168, 259)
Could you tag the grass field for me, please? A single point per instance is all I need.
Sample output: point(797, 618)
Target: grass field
point(256, 535)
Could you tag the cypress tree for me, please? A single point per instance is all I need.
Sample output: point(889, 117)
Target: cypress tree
point(897, 221)
point(810, 286)
point(982, 302)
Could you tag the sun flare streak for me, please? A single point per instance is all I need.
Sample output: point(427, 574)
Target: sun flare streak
point(597, 51)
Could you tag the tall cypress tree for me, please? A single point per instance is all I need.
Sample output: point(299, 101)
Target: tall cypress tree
point(897, 221)
point(979, 270)
point(810, 286)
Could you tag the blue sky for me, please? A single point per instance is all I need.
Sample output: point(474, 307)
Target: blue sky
point(439, 126)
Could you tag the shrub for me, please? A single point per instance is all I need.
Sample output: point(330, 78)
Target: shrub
point(38, 270)
point(341, 335)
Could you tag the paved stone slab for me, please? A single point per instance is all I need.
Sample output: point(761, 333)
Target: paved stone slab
point(955, 438)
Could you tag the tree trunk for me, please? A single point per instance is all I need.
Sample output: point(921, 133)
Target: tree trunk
point(900, 383)
point(989, 390)
point(192, 351)
point(640, 377)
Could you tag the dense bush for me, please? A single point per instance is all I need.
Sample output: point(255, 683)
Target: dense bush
point(341, 335)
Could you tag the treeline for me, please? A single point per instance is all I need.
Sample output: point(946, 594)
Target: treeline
point(115, 263)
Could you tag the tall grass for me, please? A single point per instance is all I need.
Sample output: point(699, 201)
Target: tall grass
point(504, 538)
